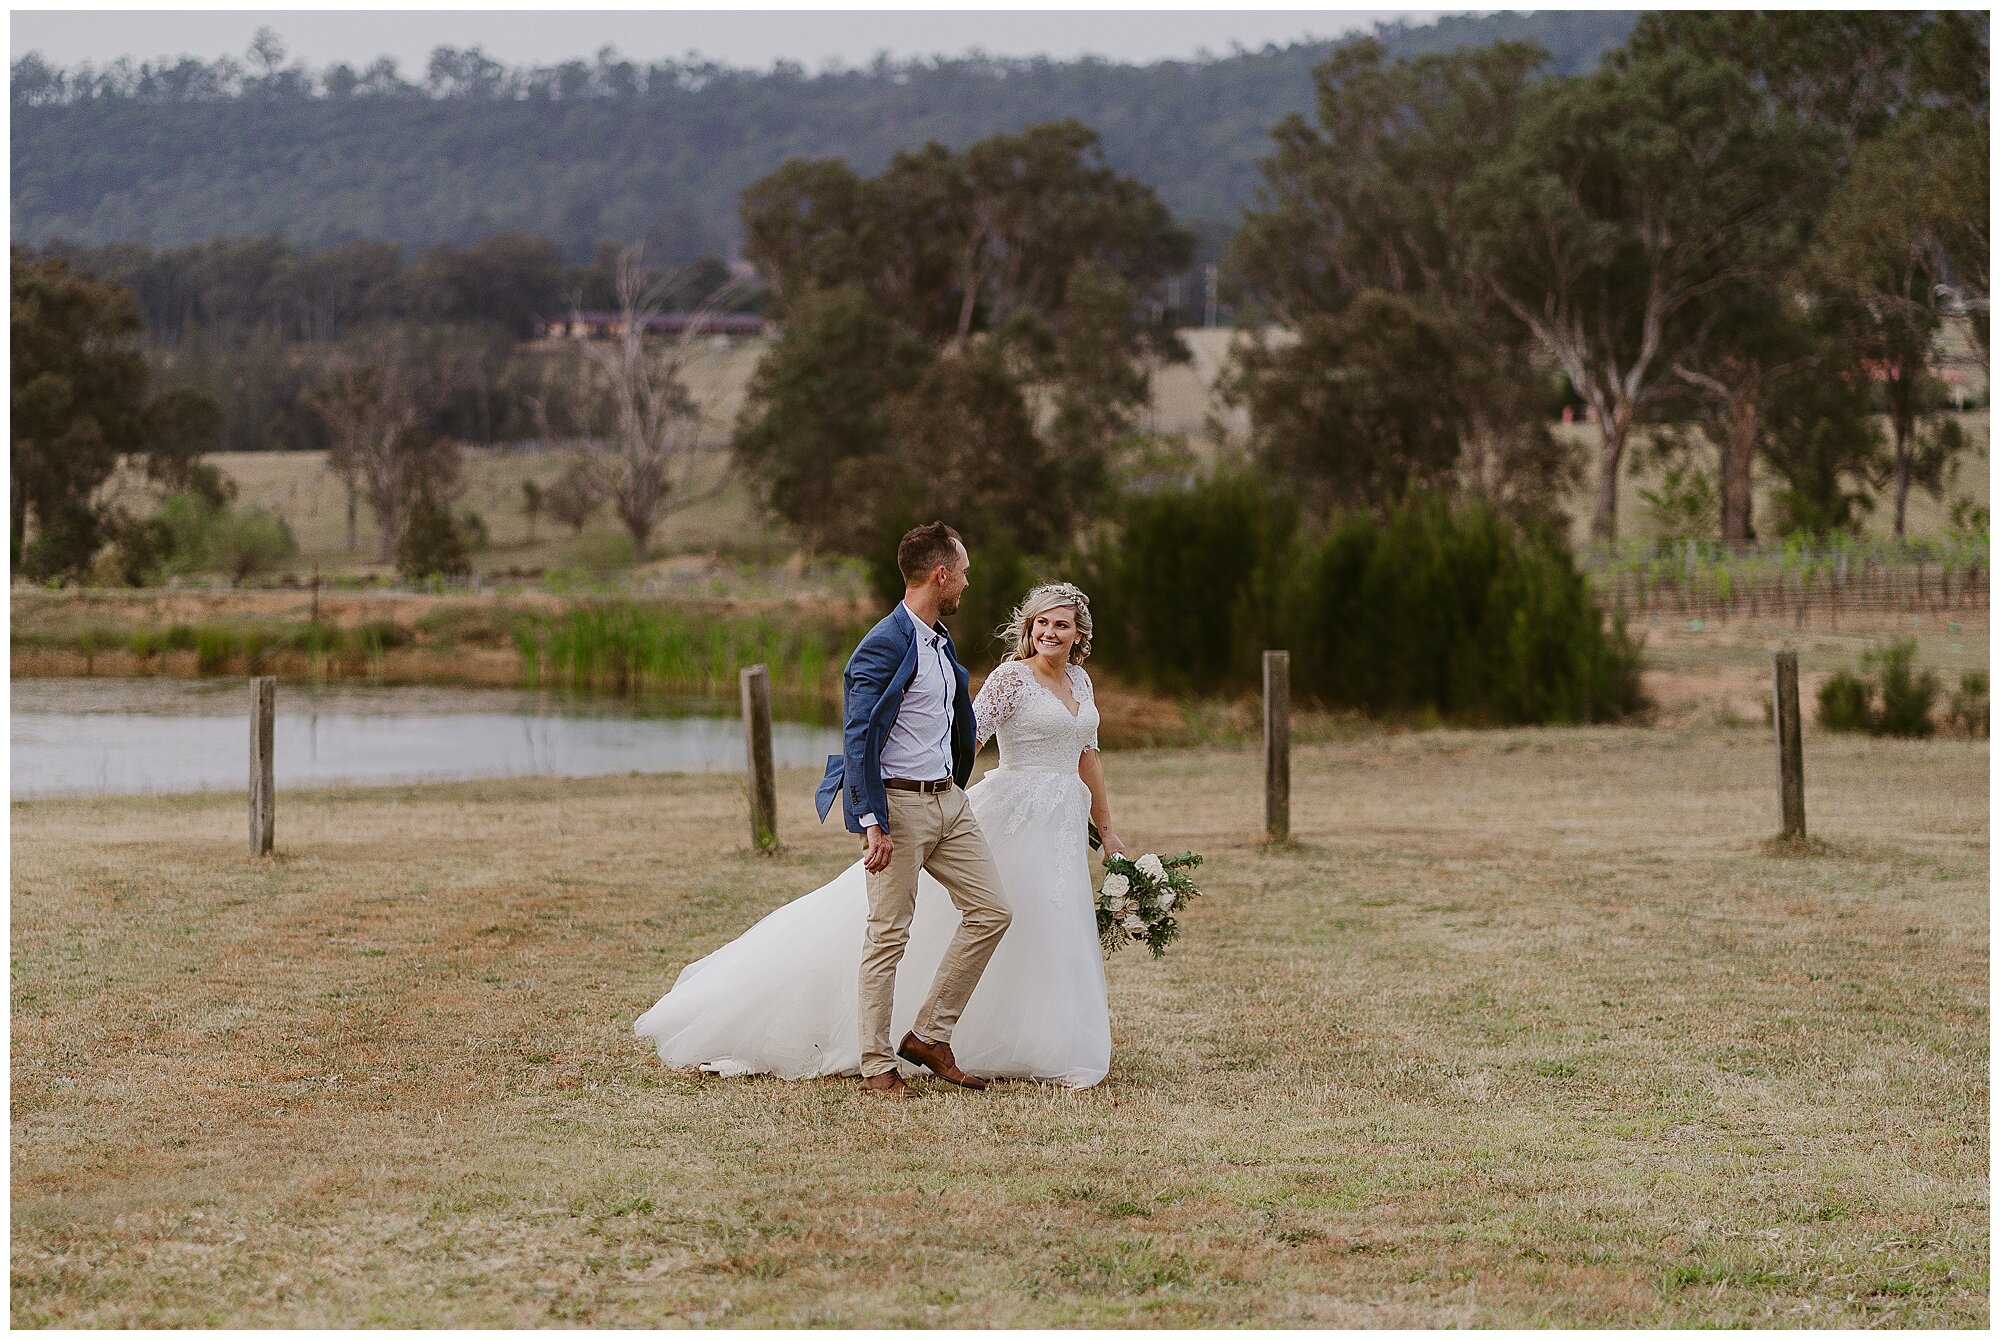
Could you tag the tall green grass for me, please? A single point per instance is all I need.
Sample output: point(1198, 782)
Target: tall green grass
point(605, 645)
point(622, 646)
point(221, 645)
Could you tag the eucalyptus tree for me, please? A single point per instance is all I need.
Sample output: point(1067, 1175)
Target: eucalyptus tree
point(1627, 206)
point(1854, 71)
point(814, 429)
point(625, 401)
point(376, 394)
point(1362, 406)
point(1856, 76)
point(1398, 363)
point(908, 298)
point(80, 405)
point(1911, 217)
point(953, 243)
point(1821, 440)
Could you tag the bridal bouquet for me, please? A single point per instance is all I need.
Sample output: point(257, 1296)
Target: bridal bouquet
point(1139, 898)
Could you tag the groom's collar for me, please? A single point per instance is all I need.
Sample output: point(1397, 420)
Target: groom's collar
point(919, 624)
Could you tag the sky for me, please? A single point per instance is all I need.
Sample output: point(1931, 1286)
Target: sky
point(744, 38)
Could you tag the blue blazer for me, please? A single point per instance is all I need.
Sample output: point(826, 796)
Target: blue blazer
point(877, 676)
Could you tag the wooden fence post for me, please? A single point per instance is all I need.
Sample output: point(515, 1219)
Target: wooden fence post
point(1278, 745)
point(762, 778)
point(263, 791)
point(1791, 754)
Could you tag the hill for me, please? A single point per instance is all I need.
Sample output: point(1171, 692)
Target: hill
point(174, 154)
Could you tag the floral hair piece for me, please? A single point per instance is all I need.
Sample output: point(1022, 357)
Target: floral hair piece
point(1048, 596)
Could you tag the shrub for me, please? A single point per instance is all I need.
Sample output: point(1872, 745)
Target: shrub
point(1844, 702)
point(140, 548)
point(1444, 608)
point(433, 543)
point(1452, 608)
point(64, 542)
point(1685, 506)
point(1969, 708)
point(531, 505)
point(573, 498)
point(1897, 698)
point(1906, 696)
point(1181, 590)
point(246, 542)
point(1969, 518)
point(202, 536)
point(603, 549)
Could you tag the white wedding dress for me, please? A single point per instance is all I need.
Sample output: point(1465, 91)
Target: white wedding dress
point(783, 998)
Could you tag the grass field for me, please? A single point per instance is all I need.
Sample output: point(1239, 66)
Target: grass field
point(1530, 1028)
point(297, 487)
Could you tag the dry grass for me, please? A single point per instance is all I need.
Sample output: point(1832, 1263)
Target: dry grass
point(296, 485)
point(1722, 667)
point(1928, 518)
point(1530, 1028)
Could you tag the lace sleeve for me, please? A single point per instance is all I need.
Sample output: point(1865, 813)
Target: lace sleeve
point(1086, 695)
point(998, 697)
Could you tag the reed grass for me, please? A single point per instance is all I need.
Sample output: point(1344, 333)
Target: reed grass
point(617, 646)
point(222, 645)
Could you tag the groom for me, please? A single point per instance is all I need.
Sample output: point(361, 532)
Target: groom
point(909, 739)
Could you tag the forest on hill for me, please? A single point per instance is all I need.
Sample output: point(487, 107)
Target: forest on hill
point(174, 152)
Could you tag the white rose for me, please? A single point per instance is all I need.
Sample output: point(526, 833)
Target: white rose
point(1134, 924)
point(1166, 900)
point(1150, 865)
point(1115, 886)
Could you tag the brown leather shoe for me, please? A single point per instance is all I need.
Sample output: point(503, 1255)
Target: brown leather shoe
point(888, 1084)
point(936, 1057)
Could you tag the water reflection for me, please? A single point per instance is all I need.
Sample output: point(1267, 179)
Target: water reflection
point(74, 736)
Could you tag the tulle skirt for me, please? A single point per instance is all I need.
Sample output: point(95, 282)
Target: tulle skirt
point(784, 997)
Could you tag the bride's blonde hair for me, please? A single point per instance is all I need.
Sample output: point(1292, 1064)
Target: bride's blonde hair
point(1018, 630)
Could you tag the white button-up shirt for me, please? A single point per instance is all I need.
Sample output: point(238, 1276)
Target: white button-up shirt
point(919, 743)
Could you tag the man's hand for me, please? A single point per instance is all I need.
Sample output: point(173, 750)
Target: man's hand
point(880, 848)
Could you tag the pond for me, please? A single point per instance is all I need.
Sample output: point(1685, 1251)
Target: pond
point(123, 736)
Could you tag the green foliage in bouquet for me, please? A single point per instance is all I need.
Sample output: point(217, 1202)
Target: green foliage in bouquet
point(1139, 898)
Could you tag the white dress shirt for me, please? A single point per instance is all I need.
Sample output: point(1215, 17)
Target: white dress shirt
point(919, 743)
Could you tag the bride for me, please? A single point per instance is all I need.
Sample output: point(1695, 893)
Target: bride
point(781, 998)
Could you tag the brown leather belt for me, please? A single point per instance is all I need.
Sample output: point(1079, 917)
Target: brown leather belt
point(928, 788)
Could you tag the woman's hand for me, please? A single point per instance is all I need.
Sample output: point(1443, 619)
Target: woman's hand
point(1113, 844)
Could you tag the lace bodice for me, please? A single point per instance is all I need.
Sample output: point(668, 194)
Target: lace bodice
point(1035, 729)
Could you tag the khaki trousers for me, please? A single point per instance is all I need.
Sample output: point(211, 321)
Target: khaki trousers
point(935, 833)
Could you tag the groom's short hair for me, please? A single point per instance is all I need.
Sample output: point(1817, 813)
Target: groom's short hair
point(923, 548)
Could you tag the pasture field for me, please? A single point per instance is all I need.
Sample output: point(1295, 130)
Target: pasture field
point(1529, 1028)
point(730, 524)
